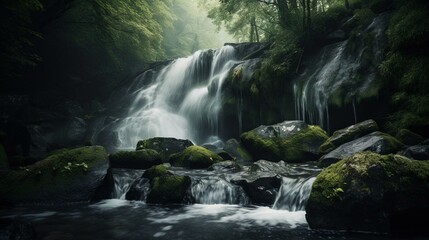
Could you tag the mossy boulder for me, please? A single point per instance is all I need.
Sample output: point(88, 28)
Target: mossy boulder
point(409, 138)
point(141, 187)
point(168, 189)
point(195, 157)
point(371, 192)
point(348, 134)
point(141, 159)
point(156, 171)
point(165, 146)
point(378, 142)
point(291, 141)
point(76, 175)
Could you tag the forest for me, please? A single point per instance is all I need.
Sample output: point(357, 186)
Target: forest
point(183, 119)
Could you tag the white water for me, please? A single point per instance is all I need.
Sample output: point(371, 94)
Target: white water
point(182, 100)
point(293, 194)
point(217, 191)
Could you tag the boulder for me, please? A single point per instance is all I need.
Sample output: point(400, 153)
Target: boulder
point(409, 138)
point(195, 157)
point(141, 159)
point(348, 134)
point(291, 141)
point(168, 189)
point(262, 181)
point(371, 192)
point(76, 175)
point(140, 188)
point(378, 142)
point(417, 152)
point(165, 146)
point(234, 148)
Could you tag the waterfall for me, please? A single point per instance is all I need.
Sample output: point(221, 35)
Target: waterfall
point(181, 100)
point(339, 74)
point(293, 194)
point(123, 179)
point(215, 190)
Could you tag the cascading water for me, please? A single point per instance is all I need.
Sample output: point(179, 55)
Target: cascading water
point(182, 100)
point(123, 180)
point(340, 74)
point(215, 190)
point(293, 194)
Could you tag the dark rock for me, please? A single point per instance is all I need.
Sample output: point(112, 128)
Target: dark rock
point(225, 166)
point(348, 134)
point(224, 155)
point(417, 152)
point(262, 181)
point(261, 191)
point(168, 189)
point(195, 157)
point(141, 159)
point(373, 193)
point(139, 190)
point(77, 175)
point(336, 36)
point(378, 142)
point(291, 141)
point(409, 138)
point(165, 146)
point(234, 148)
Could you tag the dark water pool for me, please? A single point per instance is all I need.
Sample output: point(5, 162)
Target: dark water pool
point(121, 219)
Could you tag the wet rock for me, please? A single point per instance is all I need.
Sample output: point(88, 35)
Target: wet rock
point(165, 146)
point(141, 159)
point(262, 181)
point(76, 175)
point(378, 142)
point(225, 166)
point(168, 189)
point(139, 190)
point(348, 134)
point(371, 192)
point(409, 138)
point(291, 141)
point(195, 157)
point(417, 152)
point(237, 151)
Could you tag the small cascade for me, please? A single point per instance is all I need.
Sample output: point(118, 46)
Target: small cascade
point(181, 100)
point(341, 73)
point(123, 179)
point(217, 191)
point(293, 194)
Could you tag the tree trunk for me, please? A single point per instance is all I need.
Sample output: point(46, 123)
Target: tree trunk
point(346, 3)
point(314, 6)
point(293, 4)
point(282, 12)
point(308, 15)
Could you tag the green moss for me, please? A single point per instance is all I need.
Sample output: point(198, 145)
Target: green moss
point(168, 189)
point(295, 148)
point(156, 171)
point(364, 174)
point(140, 159)
point(52, 171)
point(195, 157)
